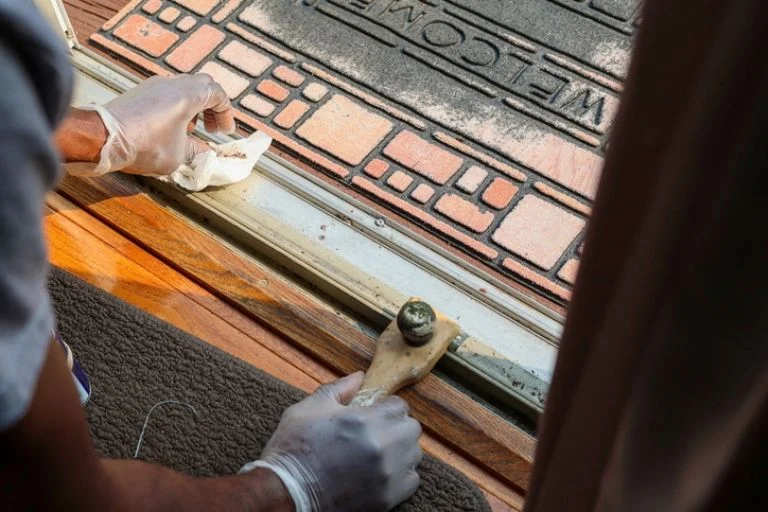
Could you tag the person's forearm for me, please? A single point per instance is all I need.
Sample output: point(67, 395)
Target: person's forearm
point(81, 136)
point(142, 486)
point(50, 449)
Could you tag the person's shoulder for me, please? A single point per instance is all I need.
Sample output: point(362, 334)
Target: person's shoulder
point(33, 53)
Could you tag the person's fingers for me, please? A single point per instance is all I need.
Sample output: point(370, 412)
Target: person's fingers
point(416, 458)
point(412, 429)
point(218, 114)
point(406, 436)
point(392, 406)
point(219, 122)
point(405, 490)
point(194, 147)
point(342, 390)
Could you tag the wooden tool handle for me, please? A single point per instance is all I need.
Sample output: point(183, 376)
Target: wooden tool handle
point(396, 364)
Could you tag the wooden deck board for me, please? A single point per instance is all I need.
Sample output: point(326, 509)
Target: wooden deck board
point(125, 270)
point(88, 248)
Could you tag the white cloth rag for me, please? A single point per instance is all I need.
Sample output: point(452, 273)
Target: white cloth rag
point(225, 164)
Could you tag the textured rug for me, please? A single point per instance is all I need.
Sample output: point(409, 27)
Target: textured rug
point(135, 361)
point(483, 122)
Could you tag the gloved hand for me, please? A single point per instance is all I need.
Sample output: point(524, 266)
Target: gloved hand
point(148, 125)
point(333, 457)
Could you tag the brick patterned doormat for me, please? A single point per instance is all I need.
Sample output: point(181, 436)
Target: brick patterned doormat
point(481, 121)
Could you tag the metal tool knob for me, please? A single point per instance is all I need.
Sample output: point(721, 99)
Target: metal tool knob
point(416, 321)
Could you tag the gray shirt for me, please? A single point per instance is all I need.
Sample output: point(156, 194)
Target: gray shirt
point(35, 87)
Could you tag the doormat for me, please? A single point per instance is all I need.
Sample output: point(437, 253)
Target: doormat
point(482, 121)
point(135, 361)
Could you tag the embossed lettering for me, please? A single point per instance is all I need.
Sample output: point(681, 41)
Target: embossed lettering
point(360, 4)
point(582, 105)
point(481, 52)
point(442, 34)
point(410, 14)
point(540, 84)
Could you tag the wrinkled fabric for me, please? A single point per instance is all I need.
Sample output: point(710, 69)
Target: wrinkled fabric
point(225, 164)
point(659, 399)
point(36, 83)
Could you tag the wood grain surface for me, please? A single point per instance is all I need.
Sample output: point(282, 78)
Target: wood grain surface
point(86, 247)
point(87, 16)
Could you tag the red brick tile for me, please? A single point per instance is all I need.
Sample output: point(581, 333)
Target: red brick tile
point(130, 55)
point(233, 84)
point(538, 231)
point(564, 199)
point(568, 271)
point(345, 129)
point(245, 59)
point(465, 213)
point(272, 90)
point(291, 114)
point(169, 15)
point(422, 193)
point(364, 96)
point(290, 144)
point(201, 7)
point(186, 24)
point(536, 279)
point(499, 193)
point(471, 179)
point(257, 105)
point(399, 181)
point(466, 241)
point(226, 9)
point(145, 35)
point(121, 14)
point(425, 158)
point(487, 160)
point(152, 6)
point(315, 91)
point(261, 42)
point(195, 48)
point(288, 75)
point(574, 167)
point(376, 168)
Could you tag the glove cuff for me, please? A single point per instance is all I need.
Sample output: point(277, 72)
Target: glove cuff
point(115, 154)
point(301, 500)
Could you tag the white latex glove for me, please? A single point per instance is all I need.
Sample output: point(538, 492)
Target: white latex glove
point(148, 125)
point(333, 457)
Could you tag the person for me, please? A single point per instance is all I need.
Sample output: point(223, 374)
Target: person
point(323, 456)
point(659, 400)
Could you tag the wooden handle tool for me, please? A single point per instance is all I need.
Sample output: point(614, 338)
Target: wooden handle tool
point(406, 351)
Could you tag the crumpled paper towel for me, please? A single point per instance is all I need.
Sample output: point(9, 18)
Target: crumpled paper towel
point(225, 164)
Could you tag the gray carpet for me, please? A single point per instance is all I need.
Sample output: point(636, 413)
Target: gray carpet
point(135, 361)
